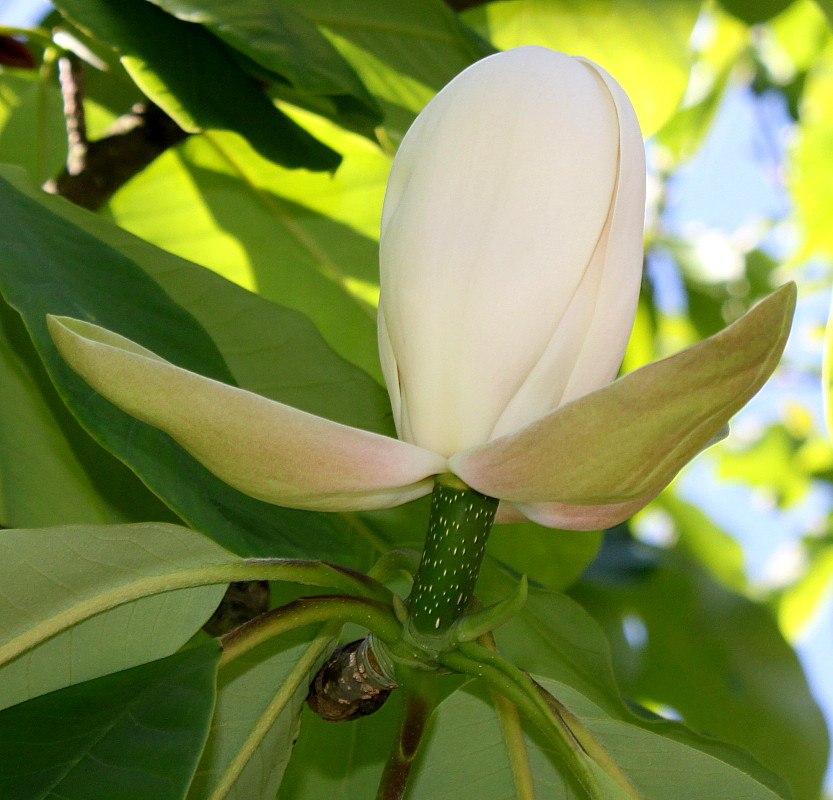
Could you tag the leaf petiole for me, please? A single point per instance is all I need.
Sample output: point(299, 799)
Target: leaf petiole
point(370, 614)
point(514, 684)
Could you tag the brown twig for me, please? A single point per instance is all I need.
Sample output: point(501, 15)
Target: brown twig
point(349, 685)
point(416, 711)
point(243, 600)
point(133, 141)
point(71, 78)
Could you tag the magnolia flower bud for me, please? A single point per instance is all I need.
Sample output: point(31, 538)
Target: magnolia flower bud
point(511, 257)
point(511, 248)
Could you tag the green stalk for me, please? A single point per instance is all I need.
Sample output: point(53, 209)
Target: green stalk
point(309, 573)
point(370, 614)
point(420, 698)
point(519, 689)
point(510, 723)
point(458, 527)
point(599, 776)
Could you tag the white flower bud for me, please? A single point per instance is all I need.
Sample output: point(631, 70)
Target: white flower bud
point(511, 249)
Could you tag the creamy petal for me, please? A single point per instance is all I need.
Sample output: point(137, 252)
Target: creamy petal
point(586, 348)
point(266, 449)
point(494, 207)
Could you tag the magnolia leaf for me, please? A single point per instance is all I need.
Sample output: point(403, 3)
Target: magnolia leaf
point(308, 241)
point(35, 452)
point(623, 443)
point(81, 601)
point(555, 561)
point(283, 42)
point(48, 265)
point(657, 767)
point(269, 349)
point(403, 51)
point(131, 735)
point(554, 637)
point(646, 46)
point(715, 657)
point(753, 12)
point(800, 604)
point(810, 177)
point(268, 450)
point(342, 760)
point(260, 696)
point(196, 79)
point(31, 129)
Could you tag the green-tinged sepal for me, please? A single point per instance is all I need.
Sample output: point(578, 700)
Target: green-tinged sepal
point(400, 609)
point(620, 445)
point(403, 559)
point(472, 626)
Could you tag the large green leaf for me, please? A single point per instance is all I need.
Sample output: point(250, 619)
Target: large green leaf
point(771, 462)
point(51, 266)
point(127, 736)
point(269, 349)
point(403, 51)
point(259, 700)
point(467, 757)
point(32, 131)
point(643, 45)
point(716, 658)
point(342, 760)
point(552, 558)
point(53, 577)
point(42, 482)
point(698, 536)
point(715, 60)
point(304, 240)
point(195, 78)
point(753, 12)
point(282, 41)
point(554, 637)
point(827, 7)
point(42, 445)
point(799, 603)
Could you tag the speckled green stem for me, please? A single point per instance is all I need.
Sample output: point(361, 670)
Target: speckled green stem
point(458, 528)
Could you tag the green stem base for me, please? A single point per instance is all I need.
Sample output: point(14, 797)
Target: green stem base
point(458, 527)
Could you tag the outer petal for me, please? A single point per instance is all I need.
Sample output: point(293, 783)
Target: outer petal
point(573, 517)
point(628, 440)
point(268, 450)
point(494, 207)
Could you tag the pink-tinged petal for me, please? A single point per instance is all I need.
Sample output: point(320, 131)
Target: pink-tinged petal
point(572, 517)
point(584, 518)
point(266, 449)
point(627, 440)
